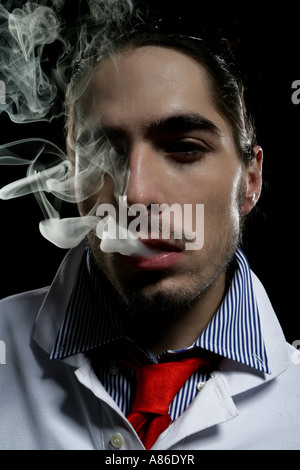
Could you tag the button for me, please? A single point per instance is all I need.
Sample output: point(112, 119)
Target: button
point(117, 440)
point(199, 385)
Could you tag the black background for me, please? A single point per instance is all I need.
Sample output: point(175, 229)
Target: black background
point(266, 43)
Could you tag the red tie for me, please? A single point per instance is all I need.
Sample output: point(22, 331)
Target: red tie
point(157, 385)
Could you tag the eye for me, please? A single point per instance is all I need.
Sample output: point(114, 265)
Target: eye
point(187, 150)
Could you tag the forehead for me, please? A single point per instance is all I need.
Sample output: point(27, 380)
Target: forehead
point(145, 83)
point(161, 63)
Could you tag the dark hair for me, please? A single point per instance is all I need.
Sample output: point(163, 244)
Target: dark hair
point(227, 90)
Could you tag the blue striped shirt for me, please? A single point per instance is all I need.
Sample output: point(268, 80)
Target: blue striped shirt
point(91, 322)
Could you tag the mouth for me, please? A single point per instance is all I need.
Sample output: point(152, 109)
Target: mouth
point(165, 254)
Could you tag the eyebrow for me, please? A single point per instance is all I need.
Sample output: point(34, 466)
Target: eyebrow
point(181, 123)
point(174, 123)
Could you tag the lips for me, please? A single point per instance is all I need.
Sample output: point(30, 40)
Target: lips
point(165, 254)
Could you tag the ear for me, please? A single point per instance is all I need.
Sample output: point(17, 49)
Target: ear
point(254, 180)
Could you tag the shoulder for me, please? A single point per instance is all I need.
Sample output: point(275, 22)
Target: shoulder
point(31, 296)
point(18, 314)
point(23, 305)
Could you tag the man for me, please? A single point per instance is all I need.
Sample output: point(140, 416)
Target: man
point(172, 116)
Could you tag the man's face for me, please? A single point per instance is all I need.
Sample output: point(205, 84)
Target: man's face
point(155, 105)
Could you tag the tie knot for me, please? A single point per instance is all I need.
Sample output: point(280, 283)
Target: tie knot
point(157, 384)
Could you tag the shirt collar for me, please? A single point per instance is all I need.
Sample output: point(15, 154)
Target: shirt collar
point(234, 332)
point(91, 318)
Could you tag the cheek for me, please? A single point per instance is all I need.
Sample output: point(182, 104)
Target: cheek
point(223, 200)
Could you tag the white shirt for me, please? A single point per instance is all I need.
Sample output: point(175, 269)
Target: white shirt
point(61, 404)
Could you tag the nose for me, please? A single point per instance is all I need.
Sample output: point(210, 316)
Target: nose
point(146, 176)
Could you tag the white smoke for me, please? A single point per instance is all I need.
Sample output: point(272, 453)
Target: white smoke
point(33, 84)
point(24, 34)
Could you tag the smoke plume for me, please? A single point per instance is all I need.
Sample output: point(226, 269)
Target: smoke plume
point(43, 54)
